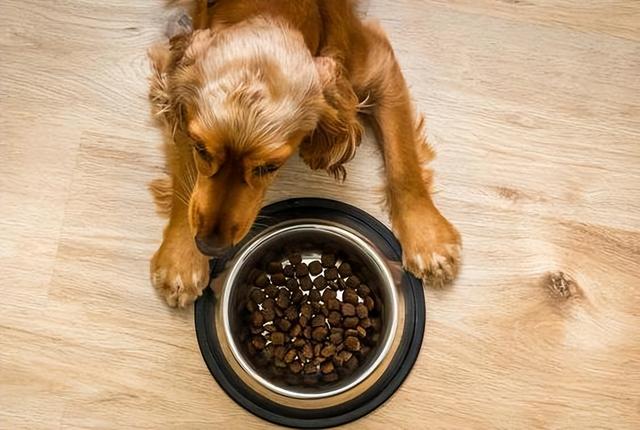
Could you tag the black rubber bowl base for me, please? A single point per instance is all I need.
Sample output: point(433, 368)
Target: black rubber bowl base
point(391, 379)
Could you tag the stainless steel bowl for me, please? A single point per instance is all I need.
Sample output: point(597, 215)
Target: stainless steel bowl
point(308, 237)
point(308, 226)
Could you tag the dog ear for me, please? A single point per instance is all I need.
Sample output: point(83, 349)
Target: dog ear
point(338, 133)
point(164, 57)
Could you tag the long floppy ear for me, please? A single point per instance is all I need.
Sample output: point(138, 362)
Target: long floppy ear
point(164, 57)
point(338, 133)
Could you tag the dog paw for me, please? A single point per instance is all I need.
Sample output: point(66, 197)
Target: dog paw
point(179, 272)
point(431, 250)
point(436, 267)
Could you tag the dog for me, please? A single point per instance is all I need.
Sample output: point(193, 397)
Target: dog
point(254, 82)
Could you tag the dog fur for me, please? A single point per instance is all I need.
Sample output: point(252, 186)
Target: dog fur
point(256, 81)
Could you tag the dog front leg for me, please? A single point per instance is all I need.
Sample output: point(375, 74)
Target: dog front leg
point(431, 245)
point(178, 270)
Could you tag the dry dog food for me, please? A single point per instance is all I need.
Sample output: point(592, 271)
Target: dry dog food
point(308, 323)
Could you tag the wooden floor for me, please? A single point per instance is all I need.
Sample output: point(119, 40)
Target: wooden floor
point(534, 108)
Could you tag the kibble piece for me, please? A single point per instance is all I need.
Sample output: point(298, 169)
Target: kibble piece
point(351, 364)
point(361, 331)
point(369, 303)
point(350, 296)
point(295, 331)
point(257, 319)
point(320, 282)
point(318, 321)
point(290, 356)
point(270, 327)
point(364, 290)
point(289, 271)
point(351, 332)
point(353, 281)
point(271, 290)
point(316, 350)
point(307, 332)
point(365, 323)
point(310, 368)
point(336, 338)
point(278, 338)
point(301, 270)
point(291, 313)
point(327, 367)
point(292, 284)
point(295, 259)
point(331, 274)
point(348, 310)
point(362, 311)
point(350, 322)
point(297, 297)
point(333, 285)
point(345, 270)
point(295, 367)
point(279, 279)
point(283, 325)
point(314, 295)
point(257, 295)
point(341, 284)
point(282, 300)
point(299, 342)
point(319, 333)
point(279, 312)
point(345, 355)
point(333, 304)
point(315, 268)
point(274, 267)
point(307, 351)
point(268, 313)
point(305, 283)
point(364, 351)
point(306, 311)
point(279, 352)
point(328, 294)
point(328, 260)
point(328, 350)
point(334, 318)
point(258, 342)
point(303, 321)
point(261, 281)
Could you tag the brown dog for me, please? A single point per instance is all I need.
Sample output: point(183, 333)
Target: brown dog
point(257, 81)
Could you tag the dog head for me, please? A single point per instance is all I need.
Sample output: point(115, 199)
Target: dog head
point(245, 100)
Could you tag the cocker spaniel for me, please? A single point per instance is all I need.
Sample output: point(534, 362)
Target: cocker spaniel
point(254, 82)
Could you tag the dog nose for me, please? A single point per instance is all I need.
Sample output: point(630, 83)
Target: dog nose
point(208, 248)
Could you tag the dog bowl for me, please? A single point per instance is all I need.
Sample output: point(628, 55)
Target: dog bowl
point(308, 226)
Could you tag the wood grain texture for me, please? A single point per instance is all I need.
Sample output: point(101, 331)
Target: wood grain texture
point(534, 108)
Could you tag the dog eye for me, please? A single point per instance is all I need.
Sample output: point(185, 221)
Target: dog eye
point(199, 147)
point(265, 170)
point(202, 151)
